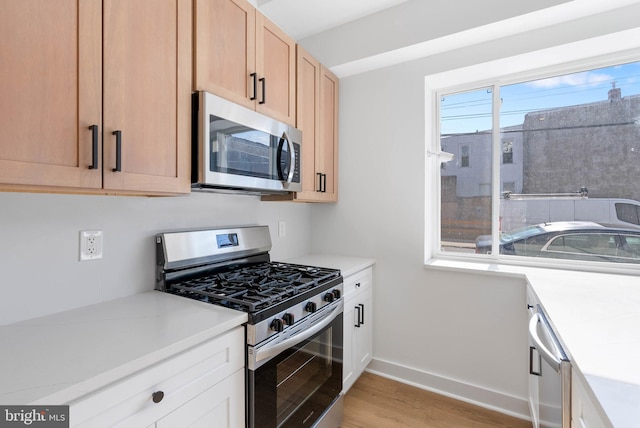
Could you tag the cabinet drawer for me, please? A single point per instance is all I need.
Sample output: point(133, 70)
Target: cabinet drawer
point(358, 281)
point(128, 402)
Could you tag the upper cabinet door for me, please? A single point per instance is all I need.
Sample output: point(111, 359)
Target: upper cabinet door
point(147, 95)
point(50, 81)
point(242, 56)
point(308, 115)
point(225, 50)
point(317, 118)
point(276, 69)
point(327, 149)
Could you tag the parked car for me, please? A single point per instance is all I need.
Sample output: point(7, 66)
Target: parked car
point(577, 240)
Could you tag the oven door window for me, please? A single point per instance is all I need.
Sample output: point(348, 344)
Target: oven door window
point(295, 387)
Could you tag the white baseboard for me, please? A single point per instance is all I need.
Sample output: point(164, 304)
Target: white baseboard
point(493, 400)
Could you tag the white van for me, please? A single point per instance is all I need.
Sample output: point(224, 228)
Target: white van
point(518, 212)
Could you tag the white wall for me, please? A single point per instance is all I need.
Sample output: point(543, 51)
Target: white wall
point(39, 243)
point(460, 333)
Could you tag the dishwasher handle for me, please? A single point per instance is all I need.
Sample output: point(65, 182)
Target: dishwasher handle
point(549, 357)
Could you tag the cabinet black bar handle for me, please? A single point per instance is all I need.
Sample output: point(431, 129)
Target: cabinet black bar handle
point(358, 309)
point(254, 76)
point(263, 80)
point(361, 313)
point(324, 186)
point(531, 371)
point(118, 135)
point(319, 174)
point(94, 147)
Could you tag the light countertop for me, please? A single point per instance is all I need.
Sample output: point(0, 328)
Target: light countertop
point(57, 358)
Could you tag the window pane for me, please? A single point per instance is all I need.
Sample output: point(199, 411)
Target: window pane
point(466, 131)
point(571, 152)
point(628, 212)
point(507, 151)
point(631, 246)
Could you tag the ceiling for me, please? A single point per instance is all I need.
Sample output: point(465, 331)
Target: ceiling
point(303, 18)
point(386, 32)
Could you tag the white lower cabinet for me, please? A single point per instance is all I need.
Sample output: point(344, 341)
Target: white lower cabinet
point(358, 325)
point(584, 411)
point(221, 406)
point(203, 383)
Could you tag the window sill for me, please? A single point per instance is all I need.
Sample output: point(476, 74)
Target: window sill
point(516, 268)
point(478, 267)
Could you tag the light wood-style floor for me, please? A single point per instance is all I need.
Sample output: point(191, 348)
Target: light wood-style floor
point(377, 402)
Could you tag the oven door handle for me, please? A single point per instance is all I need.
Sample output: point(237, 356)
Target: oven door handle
point(544, 351)
point(272, 350)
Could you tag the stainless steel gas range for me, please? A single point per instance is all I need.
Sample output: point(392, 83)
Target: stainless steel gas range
point(294, 334)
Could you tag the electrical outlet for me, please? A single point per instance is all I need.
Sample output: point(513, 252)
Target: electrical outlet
point(282, 229)
point(90, 244)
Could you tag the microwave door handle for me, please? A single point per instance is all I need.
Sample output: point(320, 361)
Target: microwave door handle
point(292, 156)
point(273, 350)
point(533, 334)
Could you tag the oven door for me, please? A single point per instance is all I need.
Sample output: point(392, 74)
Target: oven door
point(293, 387)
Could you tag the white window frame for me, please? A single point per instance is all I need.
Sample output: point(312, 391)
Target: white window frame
point(574, 57)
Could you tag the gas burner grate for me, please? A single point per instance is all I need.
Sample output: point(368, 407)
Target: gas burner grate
point(254, 287)
point(248, 299)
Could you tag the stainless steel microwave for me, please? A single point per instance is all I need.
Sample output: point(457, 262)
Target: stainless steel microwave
point(238, 149)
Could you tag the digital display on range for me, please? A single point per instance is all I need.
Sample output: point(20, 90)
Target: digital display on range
point(227, 240)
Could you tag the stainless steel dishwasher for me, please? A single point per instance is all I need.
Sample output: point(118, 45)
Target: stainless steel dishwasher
point(549, 372)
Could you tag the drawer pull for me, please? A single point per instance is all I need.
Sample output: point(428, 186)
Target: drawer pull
point(358, 284)
point(157, 396)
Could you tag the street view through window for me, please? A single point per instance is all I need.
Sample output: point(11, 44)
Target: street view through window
point(568, 154)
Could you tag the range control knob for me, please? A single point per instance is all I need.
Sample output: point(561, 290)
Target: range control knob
point(310, 307)
point(329, 297)
point(288, 318)
point(336, 293)
point(277, 325)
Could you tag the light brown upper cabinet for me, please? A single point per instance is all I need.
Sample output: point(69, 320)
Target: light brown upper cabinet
point(61, 65)
point(317, 114)
point(242, 56)
point(147, 95)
